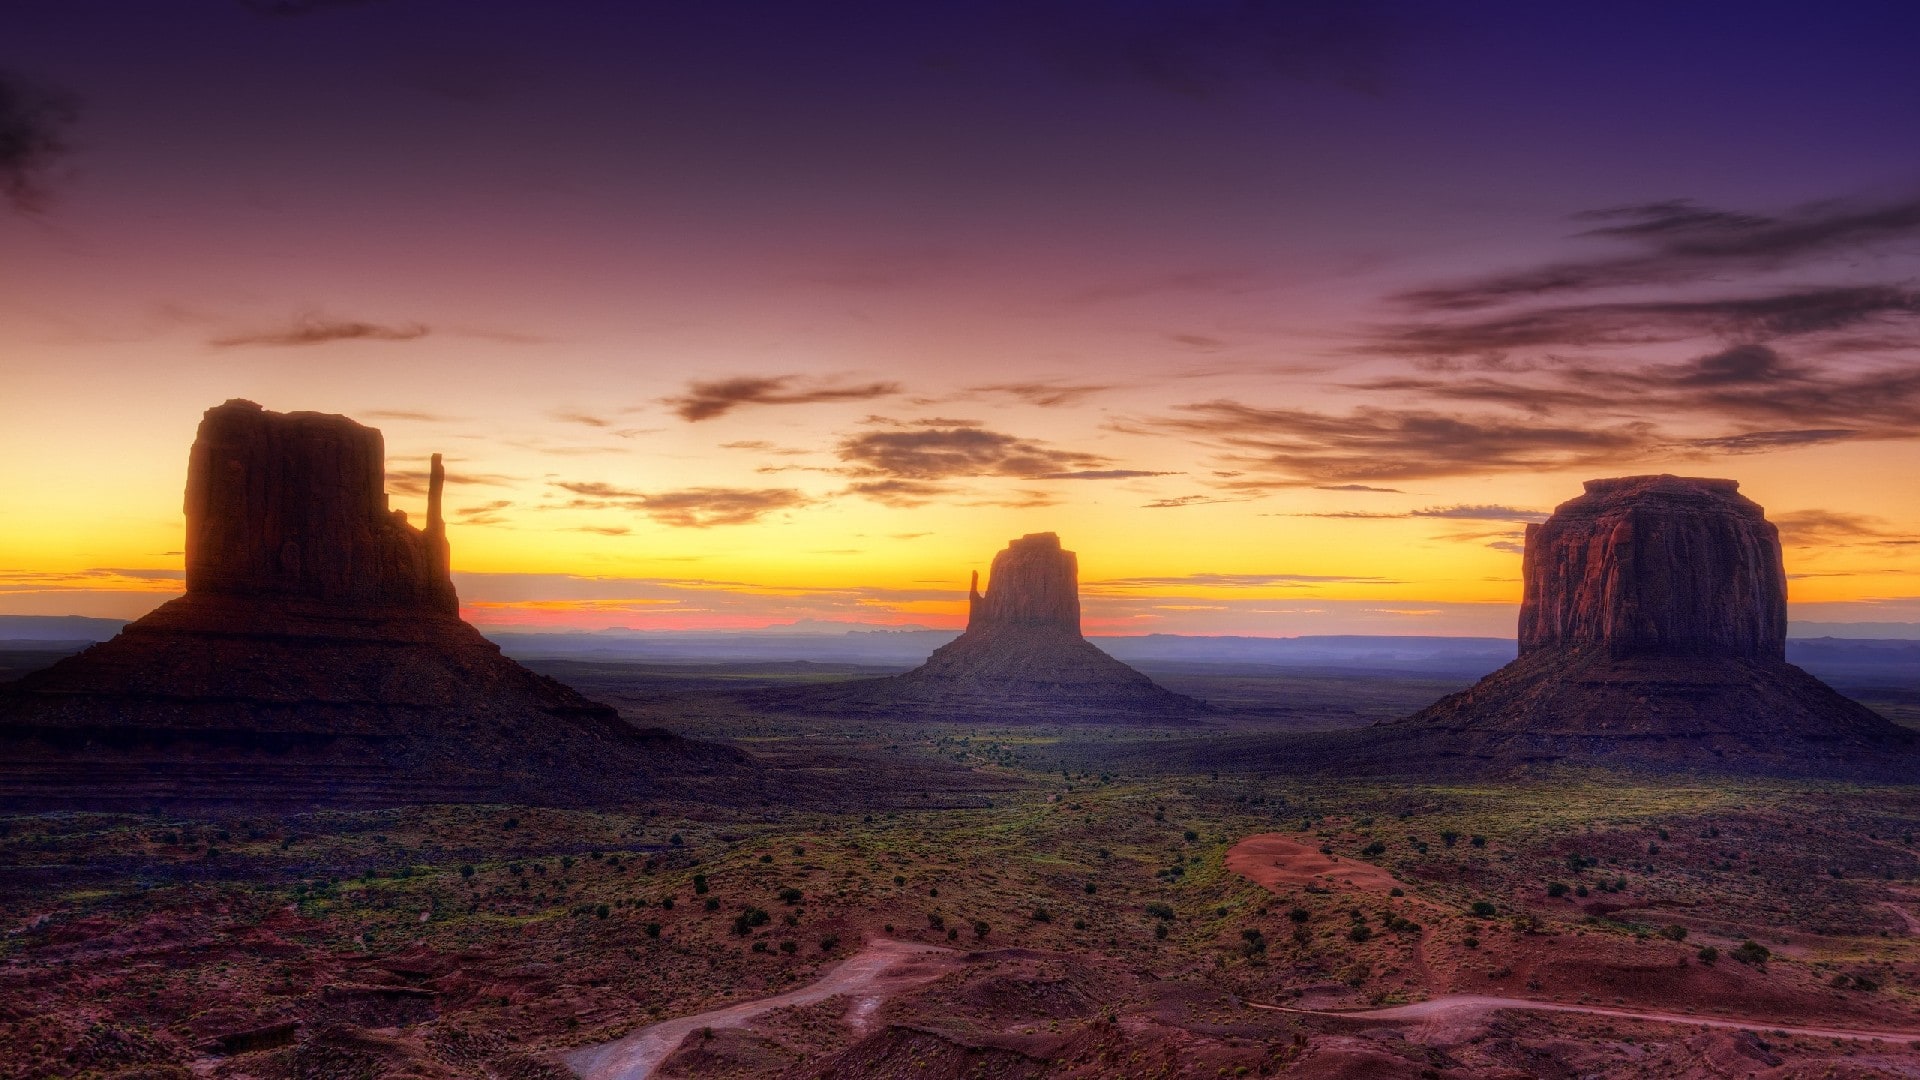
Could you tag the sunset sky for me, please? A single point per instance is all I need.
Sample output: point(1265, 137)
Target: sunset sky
point(1286, 317)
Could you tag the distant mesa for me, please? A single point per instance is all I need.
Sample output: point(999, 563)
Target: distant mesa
point(317, 656)
point(1653, 632)
point(1023, 646)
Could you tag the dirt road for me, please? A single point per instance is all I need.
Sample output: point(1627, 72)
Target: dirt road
point(878, 971)
point(1455, 1003)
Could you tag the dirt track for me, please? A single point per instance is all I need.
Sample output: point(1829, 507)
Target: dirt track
point(1454, 1003)
point(878, 971)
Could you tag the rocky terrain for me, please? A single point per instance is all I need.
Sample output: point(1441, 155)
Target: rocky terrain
point(317, 656)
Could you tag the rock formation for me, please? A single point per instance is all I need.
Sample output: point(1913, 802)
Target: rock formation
point(1653, 633)
point(318, 655)
point(1022, 647)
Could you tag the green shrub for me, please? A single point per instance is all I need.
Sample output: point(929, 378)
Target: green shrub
point(1752, 952)
point(1482, 908)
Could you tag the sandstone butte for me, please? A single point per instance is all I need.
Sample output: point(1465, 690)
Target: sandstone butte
point(318, 656)
point(1023, 648)
point(1653, 632)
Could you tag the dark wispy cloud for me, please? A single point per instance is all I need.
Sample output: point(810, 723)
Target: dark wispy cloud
point(1282, 447)
point(706, 399)
point(1358, 487)
point(487, 513)
point(1046, 394)
point(1680, 241)
point(413, 415)
point(581, 417)
point(1834, 528)
point(1789, 313)
point(322, 330)
point(941, 449)
point(904, 493)
point(33, 135)
point(688, 508)
point(1480, 513)
point(1101, 474)
point(414, 481)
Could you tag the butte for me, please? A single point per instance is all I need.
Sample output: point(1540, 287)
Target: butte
point(317, 657)
point(1653, 631)
point(1023, 650)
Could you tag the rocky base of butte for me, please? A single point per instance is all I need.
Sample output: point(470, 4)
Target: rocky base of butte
point(317, 656)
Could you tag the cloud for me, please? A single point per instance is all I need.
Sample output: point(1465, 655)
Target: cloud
point(904, 493)
point(1358, 487)
point(321, 330)
point(1023, 499)
point(1834, 528)
point(1287, 447)
point(1480, 513)
point(287, 9)
point(576, 416)
point(33, 123)
point(1785, 314)
point(688, 508)
point(414, 481)
point(1680, 241)
point(1186, 500)
point(707, 399)
point(604, 530)
point(410, 415)
point(1047, 395)
point(483, 513)
point(940, 450)
point(1101, 474)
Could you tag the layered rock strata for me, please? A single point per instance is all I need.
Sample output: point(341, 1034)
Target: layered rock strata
point(317, 656)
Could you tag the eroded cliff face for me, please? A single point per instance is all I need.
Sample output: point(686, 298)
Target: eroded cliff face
point(1033, 583)
point(294, 505)
point(1656, 566)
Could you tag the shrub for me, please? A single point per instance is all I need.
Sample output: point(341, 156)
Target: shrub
point(466, 871)
point(1160, 931)
point(1190, 836)
point(1360, 932)
point(676, 840)
point(1470, 942)
point(1090, 888)
point(899, 880)
point(1477, 841)
point(1675, 932)
point(980, 928)
point(700, 884)
point(1482, 908)
point(1375, 848)
point(1557, 889)
point(712, 904)
point(744, 923)
point(789, 947)
point(510, 823)
point(1708, 954)
point(601, 911)
point(1160, 911)
point(935, 921)
point(1299, 914)
point(1752, 952)
point(1041, 914)
point(790, 895)
point(829, 943)
point(1449, 838)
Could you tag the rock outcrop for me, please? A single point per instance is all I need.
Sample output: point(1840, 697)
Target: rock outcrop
point(317, 657)
point(1023, 648)
point(1656, 566)
point(1653, 634)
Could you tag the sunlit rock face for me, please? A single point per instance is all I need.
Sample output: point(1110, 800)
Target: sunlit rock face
point(1023, 647)
point(1652, 633)
point(1656, 566)
point(317, 656)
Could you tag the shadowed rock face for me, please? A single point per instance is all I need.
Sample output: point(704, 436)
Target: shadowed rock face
point(1653, 633)
point(1023, 645)
point(317, 657)
point(295, 505)
point(1656, 566)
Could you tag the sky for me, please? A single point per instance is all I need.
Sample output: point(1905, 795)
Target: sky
point(1287, 317)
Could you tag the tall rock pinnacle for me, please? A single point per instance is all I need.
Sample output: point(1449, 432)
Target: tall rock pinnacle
point(1034, 583)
